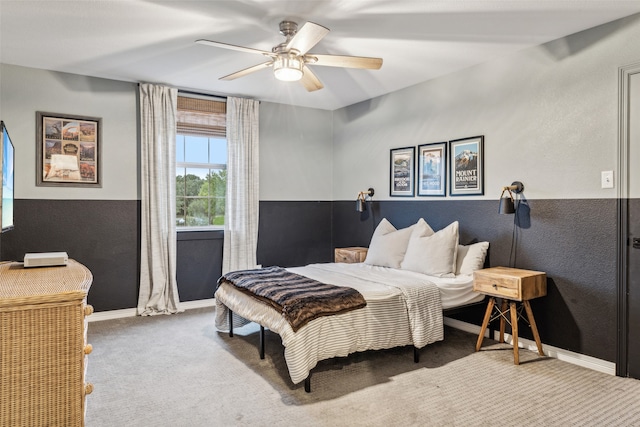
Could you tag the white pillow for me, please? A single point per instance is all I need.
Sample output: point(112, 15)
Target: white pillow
point(422, 229)
point(388, 245)
point(471, 257)
point(434, 254)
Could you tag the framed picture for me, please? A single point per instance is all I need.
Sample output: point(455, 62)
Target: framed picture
point(68, 150)
point(432, 169)
point(401, 175)
point(467, 166)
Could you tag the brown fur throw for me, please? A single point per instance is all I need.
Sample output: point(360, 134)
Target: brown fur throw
point(298, 298)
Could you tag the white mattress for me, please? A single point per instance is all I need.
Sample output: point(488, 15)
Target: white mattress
point(403, 308)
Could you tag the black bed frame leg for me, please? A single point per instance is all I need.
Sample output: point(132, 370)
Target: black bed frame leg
point(416, 355)
point(261, 342)
point(230, 323)
point(307, 383)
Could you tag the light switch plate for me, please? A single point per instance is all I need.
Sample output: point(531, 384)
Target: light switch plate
point(607, 179)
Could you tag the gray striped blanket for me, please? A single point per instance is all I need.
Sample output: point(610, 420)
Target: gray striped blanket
point(298, 298)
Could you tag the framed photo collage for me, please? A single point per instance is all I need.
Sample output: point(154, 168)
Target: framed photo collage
point(463, 159)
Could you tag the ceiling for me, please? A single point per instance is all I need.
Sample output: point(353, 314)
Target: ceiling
point(153, 41)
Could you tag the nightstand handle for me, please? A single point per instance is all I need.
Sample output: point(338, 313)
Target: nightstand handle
point(495, 286)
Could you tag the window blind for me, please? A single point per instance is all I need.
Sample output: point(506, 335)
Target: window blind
point(201, 117)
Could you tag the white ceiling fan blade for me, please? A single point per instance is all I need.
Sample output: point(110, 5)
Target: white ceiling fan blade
point(234, 47)
point(246, 71)
point(345, 61)
point(309, 80)
point(307, 37)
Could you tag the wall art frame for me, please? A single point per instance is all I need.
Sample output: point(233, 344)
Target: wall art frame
point(466, 165)
point(68, 150)
point(401, 172)
point(432, 170)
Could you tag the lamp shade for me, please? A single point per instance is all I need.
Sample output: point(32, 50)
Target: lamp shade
point(287, 69)
point(361, 201)
point(506, 206)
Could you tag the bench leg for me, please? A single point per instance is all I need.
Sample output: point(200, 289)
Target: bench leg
point(261, 342)
point(230, 323)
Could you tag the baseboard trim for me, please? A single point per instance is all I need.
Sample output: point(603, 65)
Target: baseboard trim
point(132, 312)
point(201, 303)
point(551, 351)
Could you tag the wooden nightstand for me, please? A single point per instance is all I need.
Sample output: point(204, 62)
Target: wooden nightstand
point(350, 255)
point(512, 285)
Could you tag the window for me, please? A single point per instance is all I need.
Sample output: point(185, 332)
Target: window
point(201, 163)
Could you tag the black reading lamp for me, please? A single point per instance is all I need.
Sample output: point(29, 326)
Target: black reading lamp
point(361, 204)
point(507, 205)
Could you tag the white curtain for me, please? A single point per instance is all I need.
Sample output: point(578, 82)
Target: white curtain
point(158, 286)
point(242, 200)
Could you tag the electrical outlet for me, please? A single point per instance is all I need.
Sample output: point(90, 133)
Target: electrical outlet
point(607, 179)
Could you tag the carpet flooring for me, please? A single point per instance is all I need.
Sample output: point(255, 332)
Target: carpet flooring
point(180, 371)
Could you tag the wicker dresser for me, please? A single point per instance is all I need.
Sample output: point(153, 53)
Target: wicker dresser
point(43, 345)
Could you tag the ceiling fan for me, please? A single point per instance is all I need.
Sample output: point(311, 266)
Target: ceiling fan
point(290, 58)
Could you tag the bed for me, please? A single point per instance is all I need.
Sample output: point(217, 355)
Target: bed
point(403, 306)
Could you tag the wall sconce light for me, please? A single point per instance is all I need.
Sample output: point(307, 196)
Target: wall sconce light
point(507, 205)
point(361, 204)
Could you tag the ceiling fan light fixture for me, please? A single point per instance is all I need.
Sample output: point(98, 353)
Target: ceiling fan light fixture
point(287, 69)
point(290, 58)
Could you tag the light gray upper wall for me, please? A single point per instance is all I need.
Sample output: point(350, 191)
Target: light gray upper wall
point(295, 153)
point(27, 90)
point(549, 115)
point(295, 143)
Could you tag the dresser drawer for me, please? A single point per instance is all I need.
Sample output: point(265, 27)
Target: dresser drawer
point(511, 283)
point(350, 255)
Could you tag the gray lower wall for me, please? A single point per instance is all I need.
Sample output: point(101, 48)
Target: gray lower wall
point(571, 240)
point(104, 235)
point(289, 234)
point(198, 263)
point(294, 233)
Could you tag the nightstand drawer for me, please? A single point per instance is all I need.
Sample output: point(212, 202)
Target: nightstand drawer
point(510, 283)
point(350, 255)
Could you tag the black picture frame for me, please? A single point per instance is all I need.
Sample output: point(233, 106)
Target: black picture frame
point(68, 150)
point(431, 176)
point(401, 172)
point(466, 165)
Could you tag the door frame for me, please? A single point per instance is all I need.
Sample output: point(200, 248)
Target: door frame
point(622, 276)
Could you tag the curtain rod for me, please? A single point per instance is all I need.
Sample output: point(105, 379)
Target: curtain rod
point(188, 92)
point(209, 95)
